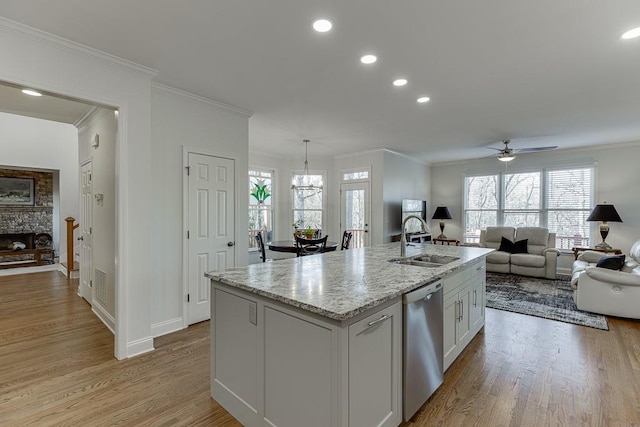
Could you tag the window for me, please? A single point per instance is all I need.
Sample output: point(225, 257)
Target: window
point(260, 206)
point(355, 175)
point(480, 205)
point(570, 196)
point(558, 199)
point(521, 199)
point(307, 201)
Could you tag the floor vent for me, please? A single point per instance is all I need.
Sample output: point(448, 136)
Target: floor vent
point(101, 286)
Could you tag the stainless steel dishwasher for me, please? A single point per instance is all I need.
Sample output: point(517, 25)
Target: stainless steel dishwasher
point(423, 346)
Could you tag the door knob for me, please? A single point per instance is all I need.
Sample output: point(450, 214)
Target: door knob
point(80, 238)
point(231, 243)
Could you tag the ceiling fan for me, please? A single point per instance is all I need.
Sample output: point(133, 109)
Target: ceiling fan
point(507, 153)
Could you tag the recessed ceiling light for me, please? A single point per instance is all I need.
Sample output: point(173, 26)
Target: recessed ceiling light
point(423, 99)
point(400, 82)
point(368, 59)
point(631, 34)
point(31, 92)
point(322, 25)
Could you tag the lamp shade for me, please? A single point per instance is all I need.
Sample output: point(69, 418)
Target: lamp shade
point(604, 213)
point(442, 212)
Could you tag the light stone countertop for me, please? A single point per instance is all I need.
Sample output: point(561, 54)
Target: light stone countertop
point(341, 284)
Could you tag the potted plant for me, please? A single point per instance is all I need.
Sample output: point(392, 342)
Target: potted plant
point(308, 232)
point(301, 230)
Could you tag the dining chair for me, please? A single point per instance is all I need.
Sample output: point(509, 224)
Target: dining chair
point(261, 247)
point(311, 246)
point(260, 242)
point(346, 240)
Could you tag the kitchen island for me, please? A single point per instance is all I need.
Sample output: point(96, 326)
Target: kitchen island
point(318, 340)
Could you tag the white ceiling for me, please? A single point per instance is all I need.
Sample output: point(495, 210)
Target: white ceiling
point(542, 72)
point(46, 107)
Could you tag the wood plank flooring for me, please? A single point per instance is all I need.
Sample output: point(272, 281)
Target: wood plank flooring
point(57, 368)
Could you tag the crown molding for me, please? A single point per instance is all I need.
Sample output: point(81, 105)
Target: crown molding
point(60, 43)
point(200, 98)
point(87, 117)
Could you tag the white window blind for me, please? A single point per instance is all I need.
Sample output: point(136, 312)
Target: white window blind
point(569, 201)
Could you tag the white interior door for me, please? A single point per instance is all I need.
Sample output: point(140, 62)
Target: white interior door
point(86, 227)
point(211, 227)
point(355, 212)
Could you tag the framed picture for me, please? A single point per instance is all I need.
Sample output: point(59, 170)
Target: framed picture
point(17, 191)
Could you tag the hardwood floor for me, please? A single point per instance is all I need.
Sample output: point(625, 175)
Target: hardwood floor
point(57, 368)
point(57, 365)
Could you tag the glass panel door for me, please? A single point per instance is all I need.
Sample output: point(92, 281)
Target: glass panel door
point(354, 216)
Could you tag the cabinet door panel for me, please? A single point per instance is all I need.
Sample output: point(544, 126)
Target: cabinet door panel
point(478, 304)
point(464, 325)
point(450, 329)
point(297, 357)
point(235, 360)
point(374, 344)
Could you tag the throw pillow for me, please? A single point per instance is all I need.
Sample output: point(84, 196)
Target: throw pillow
point(505, 245)
point(520, 247)
point(614, 262)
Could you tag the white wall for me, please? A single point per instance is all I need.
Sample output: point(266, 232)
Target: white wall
point(617, 175)
point(404, 178)
point(31, 143)
point(182, 120)
point(102, 122)
point(35, 59)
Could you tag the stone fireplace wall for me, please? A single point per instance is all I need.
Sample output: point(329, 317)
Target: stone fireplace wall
point(29, 219)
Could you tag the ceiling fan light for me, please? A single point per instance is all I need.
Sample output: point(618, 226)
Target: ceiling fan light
point(506, 157)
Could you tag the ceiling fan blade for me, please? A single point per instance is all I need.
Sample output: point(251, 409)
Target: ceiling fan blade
point(535, 149)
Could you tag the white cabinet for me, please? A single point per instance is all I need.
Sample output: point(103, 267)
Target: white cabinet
point(274, 365)
point(457, 323)
point(297, 371)
point(374, 370)
point(478, 303)
point(463, 309)
point(234, 357)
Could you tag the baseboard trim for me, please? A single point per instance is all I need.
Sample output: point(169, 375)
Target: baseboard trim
point(102, 314)
point(166, 327)
point(138, 347)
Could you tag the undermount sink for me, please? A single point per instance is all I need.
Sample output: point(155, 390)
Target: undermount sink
point(425, 260)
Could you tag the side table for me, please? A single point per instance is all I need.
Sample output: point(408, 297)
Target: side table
point(576, 251)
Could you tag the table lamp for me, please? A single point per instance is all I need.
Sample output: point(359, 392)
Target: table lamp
point(441, 213)
point(604, 213)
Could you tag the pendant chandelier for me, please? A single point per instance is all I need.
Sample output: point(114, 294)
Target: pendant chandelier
point(306, 182)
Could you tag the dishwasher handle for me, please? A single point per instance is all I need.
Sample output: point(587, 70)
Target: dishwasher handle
point(421, 293)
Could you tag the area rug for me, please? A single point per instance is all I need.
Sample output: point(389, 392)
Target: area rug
point(550, 299)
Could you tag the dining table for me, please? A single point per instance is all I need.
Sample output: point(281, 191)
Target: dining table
point(290, 246)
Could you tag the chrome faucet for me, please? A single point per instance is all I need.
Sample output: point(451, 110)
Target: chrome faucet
point(403, 238)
